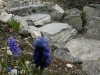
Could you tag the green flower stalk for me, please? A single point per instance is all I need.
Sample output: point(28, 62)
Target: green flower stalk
point(6, 57)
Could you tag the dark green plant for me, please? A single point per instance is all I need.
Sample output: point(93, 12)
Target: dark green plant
point(14, 24)
point(83, 16)
point(64, 15)
point(49, 10)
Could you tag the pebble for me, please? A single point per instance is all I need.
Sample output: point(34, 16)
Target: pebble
point(50, 70)
point(69, 65)
point(13, 72)
point(9, 53)
point(4, 48)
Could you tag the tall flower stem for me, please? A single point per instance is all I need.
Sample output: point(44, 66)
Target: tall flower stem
point(41, 71)
point(23, 65)
point(17, 67)
point(6, 57)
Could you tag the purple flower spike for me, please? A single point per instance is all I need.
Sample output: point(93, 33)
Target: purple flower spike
point(9, 69)
point(13, 46)
point(41, 53)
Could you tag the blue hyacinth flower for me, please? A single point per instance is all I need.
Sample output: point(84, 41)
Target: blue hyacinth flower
point(42, 52)
point(9, 69)
point(13, 46)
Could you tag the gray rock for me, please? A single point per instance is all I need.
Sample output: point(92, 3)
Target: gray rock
point(39, 19)
point(93, 28)
point(3, 11)
point(35, 34)
point(65, 55)
point(49, 5)
point(23, 29)
point(64, 36)
point(50, 28)
point(73, 11)
point(27, 10)
point(13, 72)
point(91, 67)
point(85, 49)
point(1, 4)
point(59, 32)
point(91, 11)
point(56, 12)
point(5, 17)
point(74, 20)
point(17, 3)
point(95, 6)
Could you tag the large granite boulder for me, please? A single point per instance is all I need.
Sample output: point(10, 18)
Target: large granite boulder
point(93, 28)
point(85, 49)
point(59, 32)
point(91, 11)
point(64, 54)
point(74, 20)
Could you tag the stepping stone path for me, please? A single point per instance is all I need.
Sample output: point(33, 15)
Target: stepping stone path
point(46, 18)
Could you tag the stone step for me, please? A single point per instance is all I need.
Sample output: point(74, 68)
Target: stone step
point(84, 48)
point(27, 10)
point(38, 19)
point(59, 32)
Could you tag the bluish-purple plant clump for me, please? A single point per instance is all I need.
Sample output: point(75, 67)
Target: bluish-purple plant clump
point(42, 52)
point(13, 46)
